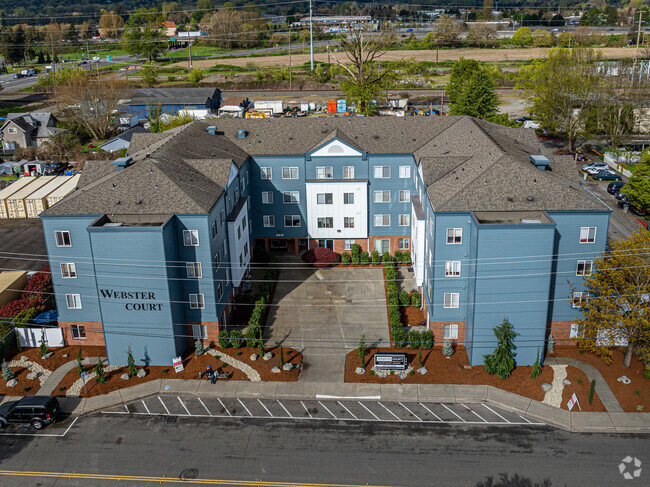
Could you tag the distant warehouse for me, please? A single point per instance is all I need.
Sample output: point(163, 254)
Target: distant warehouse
point(30, 196)
point(173, 100)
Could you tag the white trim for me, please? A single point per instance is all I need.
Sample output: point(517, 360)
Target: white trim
point(74, 300)
point(197, 301)
point(191, 238)
point(59, 238)
point(451, 301)
point(68, 271)
point(586, 231)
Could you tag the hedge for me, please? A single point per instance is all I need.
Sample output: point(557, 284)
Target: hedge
point(346, 258)
point(355, 253)
point(416, 299)
point(224, 339)
point(251, 336)
point(236, 339)
point(364, 258)
point(375, 257)
point(399, 338)
point(404, 298)
point(414, 339)
point(426, 339)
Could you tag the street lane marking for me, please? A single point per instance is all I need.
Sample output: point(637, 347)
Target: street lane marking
point(340, 404)
point(444, 406)
point(244, 405)
point(267, 409)
point(224, 406)
point(145, 406)
point(285, 409)
point(303, 405)
point(490, 409)
point(432, 413)
point(471, 410)
point(391, 412)
point(419, 419)
point(204, 406)
point(364, 407)
point(52, 435)
point(327, 410)
point(161, 402)
point(187, 410)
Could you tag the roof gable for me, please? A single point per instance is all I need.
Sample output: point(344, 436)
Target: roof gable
point(336, 144)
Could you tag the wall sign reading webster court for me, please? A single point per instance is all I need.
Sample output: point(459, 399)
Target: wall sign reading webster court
point(124, 295)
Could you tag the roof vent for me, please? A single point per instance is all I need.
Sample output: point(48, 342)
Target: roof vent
point(241, 134)
point(212, 130)
point(540, 161)
point(530, 198)
point(139, 202)
point(509, 198)
point(122, 162)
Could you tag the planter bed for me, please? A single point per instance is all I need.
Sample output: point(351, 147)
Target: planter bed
point(20, 374)
point(58, 359)
point(582, 391)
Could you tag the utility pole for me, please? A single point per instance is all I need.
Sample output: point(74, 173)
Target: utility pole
point(53, 67)
point(87, 51)
point(636, 54)
point(189, 43)
point(311, 36)
point(289, 58)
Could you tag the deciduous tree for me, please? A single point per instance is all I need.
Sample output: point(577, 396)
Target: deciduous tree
point(638, 188)
point(145, 42)
point(522, 37)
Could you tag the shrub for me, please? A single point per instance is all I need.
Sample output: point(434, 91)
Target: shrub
point(405, 257)
point(7, 373)
point(646, 373)
point(447, 349)
point(361, 351)
point(537, 368)
point(502, 361)
point(414, 339)
point(416, 299)
point(372, 372)
point(25, 316)
point(164, 371)
point(251, 336)
point(27, 388)
point(195, 76)
point(62, 388)
point(199, 349)
point(386, 258)
point(224, 339)
point(399, 338)
point(426, 339)
point(346, 258)
point(375, 257)
point(281, 356)
point(392, 298)
point(550, 344)
point(80, 367)
point(171, 78)
point(592, 389)
point(133, 370)
point(404, 298)
point(420, 362)
point(99, 371)
point(397, 256)
point(412, 372)
point(43, 348)
point(364, 258)
point(320, 257)
point(355, 253)
point(236, 340)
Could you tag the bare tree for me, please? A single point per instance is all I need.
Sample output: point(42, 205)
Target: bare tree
point(445, 31)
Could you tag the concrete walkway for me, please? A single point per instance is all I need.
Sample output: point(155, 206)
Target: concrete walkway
point(604, 392)
point(56, 376)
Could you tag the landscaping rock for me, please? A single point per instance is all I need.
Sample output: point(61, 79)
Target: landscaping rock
point(268, 356)
point(422, 370)
point(402, 374)
point(24, 358)
point(65, 355)
point(566, 382)
point(12, 383)
point(624, 379)
point(142, 373)
point(381, 373)
point(276, 370)
point(47, 355)
point(360, 370)
point(467, 367)
point(639, 408)
point(287, 366)
point(33, 375)
point(254, 357)
point(124, 376)
point(546, 387)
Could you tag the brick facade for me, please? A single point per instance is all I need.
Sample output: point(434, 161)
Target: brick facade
point(211, 332)
point(561, 331)
point(94, 333)
point(437, 327)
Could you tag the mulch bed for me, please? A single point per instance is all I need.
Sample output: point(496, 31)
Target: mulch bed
point(20, 374)
point(412, 316)
point(192, 366)
point(450, 371)
point(625, 394)
point(58, 359)
point(581, 389)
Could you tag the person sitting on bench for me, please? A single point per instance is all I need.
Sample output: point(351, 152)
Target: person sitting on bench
point(215, 376)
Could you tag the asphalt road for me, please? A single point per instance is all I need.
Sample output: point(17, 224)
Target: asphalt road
point(258, 452)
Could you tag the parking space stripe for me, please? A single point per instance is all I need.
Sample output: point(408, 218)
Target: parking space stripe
point(432, 413)
point(522, 417)
point(267, 409)
point(411, 412)
point(285, 409)
point(475, 413)
point(204, 406)
point(161, 402)
point(145, 406)
point(303, 405)
point(364, 407)
point(181, 401)
point(391, 412)
point(350, 412)
point(224, 406)
point(452, 412)
point(244, 405)
point(490, 409)
point(327, 410)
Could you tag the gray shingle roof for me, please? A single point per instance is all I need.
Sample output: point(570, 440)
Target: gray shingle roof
point(172, 96)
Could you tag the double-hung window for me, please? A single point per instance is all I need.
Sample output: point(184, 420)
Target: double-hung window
point(78, 332)
point(68, 271)
point(190, 238)
point(348, 222)
point(266, 173)
point(225, 247)
point(452, 300)
point(405, 172)
point(450, 332)
point(348, 172)
point(197, 301)
point(348, 198)
point(382, 197)
point(62, 238)
point(269, 221)
point(587, 234)
point(267, 197)
point(580, 299)
point(222, 217)
point(404, 196)
point(454, 235)
point(199, 332)
point(291, 220)
point(584, 267)
point(326, 222)
point(382, 220)
point(382, 172)
point(214, 230)
point(403, 244)
point(452, 268)
point(217, 260)
point(325, 172)
point(291, 197)
point(219, 292)
point(194, 270)
point(289, 173)
point(347, 244)
point(404, 220)
point(324, 198)
point(73, 301)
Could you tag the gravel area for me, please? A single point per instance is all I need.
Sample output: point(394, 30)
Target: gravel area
point(76, 388)
point(554, 396)
point(251, 373)
point(33, 367)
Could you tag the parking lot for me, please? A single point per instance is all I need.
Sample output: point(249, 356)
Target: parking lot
point(173, 407)
point(22, 245)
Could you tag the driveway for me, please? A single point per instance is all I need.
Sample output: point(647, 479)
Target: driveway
point(323, 313)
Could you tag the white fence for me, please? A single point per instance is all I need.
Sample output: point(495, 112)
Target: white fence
point(614, 160)
point(31, 337)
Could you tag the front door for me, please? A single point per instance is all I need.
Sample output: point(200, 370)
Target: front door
point(328, 243)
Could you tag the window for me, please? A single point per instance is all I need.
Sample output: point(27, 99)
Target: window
point(214, 230)
point(225, 248)
point(454, 235)
point(574, 332)
point(382, 245)
point(12, 130)
point(451, 300)
point(229, 204)
point(190, 238)
point(238, 233)
point(246, 178)
point(62, 239)
point(580, 299)
point(584, 267)
point(199, 332)
point(73, 301)
point(242, 185)
point(267, 197)
point(241, 260)
point(348, 222)
point(324, 198)
point(348, 172)
point(326, 222)
point(382, 220)
point(289, 173)
point(347, 244)
point(348, 198)
point(291, 220)
point(219, 292)
point(404, 220)
point(217, 260)
point(269, 221)
point(403, 244)
point(382, 172)
point(587, 234)
point(236, 195)
point(243, 223)
point(324, 172)
point(450, 332)
point(404, 196)
point(68, 271)
point(452, 268)
point(405, 172)
point(222, 217)
point(78, 332)
point(291, 197)
point(197, 301)
point(382, 197)
point(266, 173)
point(246, 249)
point(194, 270)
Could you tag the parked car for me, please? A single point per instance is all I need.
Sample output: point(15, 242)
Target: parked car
point(36, 411)
point(19, 75)
point(596, 166)
point(522, 119)
point(621, 197)
point(54, 168)
point(615, 187)
point(606, 176)
point(582, 158)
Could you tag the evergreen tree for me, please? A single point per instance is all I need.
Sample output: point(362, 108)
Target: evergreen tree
point(502, 360)
point(420, 362)
point(537, 368)
point(281, 356)
point(43, 348)
point(7, 373)
point(133, 370)
point(99, 371)
point(447, 349)
point(199, 349)
point(80, 367)
point(361, 351)
point(550, 344)
point(462, 71)
point(478, 98)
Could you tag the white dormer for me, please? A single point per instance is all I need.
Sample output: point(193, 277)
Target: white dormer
point(336, 148)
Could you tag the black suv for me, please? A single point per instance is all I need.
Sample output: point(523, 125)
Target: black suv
point(33, 410)
point(54, 168)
